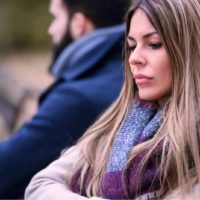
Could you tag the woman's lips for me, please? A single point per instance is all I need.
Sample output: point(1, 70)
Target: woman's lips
point(142, 79)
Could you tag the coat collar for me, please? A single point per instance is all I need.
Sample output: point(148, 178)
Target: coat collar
point(84, 53)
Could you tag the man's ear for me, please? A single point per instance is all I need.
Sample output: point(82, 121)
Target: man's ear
point(80, 25)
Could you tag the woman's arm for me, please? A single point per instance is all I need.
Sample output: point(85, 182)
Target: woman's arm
point(50, 183)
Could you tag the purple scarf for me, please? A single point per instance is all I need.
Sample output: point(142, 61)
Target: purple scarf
point(122, 182)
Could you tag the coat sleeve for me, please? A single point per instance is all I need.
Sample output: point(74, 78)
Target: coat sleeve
point(191, 195)
point(50, 183)
point(62, 118)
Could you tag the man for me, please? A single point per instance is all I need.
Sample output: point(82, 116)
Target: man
point(89, 75)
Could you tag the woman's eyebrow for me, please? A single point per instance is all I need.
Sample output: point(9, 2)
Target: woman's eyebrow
point(129, 37)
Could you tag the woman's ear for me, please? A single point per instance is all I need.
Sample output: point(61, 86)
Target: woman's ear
point(80, 25)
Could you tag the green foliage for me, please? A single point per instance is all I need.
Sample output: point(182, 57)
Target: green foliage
point(24, 24)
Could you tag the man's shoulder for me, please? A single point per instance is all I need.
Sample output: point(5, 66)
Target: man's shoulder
point(91, 90)
point(67, 90)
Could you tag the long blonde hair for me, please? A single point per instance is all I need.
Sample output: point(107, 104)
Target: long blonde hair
point(178, 24)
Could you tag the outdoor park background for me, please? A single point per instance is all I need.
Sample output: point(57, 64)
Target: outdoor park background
point(25, 50)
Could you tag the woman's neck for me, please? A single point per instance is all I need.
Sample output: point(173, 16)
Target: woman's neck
point(163, 101)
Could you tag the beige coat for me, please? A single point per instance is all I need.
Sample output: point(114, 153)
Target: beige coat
point(49, 184)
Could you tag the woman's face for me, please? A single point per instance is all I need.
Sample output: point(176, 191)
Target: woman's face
point(149, 61)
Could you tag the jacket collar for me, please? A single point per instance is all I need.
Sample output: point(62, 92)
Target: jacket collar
point(84, 53)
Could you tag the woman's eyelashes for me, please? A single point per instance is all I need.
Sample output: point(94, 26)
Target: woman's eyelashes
point(132, 48)
point(152, 45)
point(156, 45)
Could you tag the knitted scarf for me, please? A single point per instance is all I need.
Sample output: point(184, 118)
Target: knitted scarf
point(121, 182)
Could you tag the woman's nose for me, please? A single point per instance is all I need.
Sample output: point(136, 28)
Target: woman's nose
point(136, 57)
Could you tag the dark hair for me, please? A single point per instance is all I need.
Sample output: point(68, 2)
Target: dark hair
point(101, 12)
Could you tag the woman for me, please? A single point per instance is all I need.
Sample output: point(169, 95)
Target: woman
point(146, 145)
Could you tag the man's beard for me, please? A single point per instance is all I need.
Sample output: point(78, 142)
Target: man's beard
point(58, 48)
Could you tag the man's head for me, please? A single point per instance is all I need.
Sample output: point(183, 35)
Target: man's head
point(59, 28)
point(101, 13)
point(59, 24)
point(75, 18)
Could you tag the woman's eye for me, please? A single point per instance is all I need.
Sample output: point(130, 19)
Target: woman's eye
point(155, 45)
point(132, 48)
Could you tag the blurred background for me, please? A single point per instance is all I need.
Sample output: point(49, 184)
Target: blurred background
point(25, 55)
